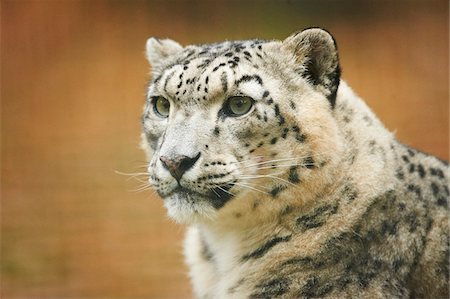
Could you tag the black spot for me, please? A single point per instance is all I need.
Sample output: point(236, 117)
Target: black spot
point(316, 218)
point(219, 66)
point(284, 134)
point(265, 94)
point(309, 163)
point(397, 264)
point(442, 202)
point(296, 129)
point(389, 227)
point(273, 288)
point(412, 168)
point(350, 193)
point(207, 80)
point(416, 189)
point(437, 172)
point(292, 104)
point(216, 131)
point(309, 288)
point(277, 110)
point(300, 137)
point(421, 170)
point(206, 252)
point(411, 152)
point(293, 175)
point(400, 174)
point(260, 144)
point(224, 81)
point(405, 158)
point(261, 251)
point(435, 189)
point(273, 141)
point(411, 220)
point(277, 189)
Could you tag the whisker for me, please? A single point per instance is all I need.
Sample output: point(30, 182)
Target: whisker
point(143, 188)
point(133, 175)
point(250, 187)
point(273, 161)
point(247, 160)
point(286, 165)
point(257, 176)
point(271, 176)
point(224, 190)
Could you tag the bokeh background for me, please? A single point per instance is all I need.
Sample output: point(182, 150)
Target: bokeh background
point(73, 79)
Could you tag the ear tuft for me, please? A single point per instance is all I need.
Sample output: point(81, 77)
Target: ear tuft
point(316, 51)
point(159, 50)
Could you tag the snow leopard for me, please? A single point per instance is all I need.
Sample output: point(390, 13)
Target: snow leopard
point(289, 185)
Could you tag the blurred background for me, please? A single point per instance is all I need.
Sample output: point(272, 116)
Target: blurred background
point(73, 80)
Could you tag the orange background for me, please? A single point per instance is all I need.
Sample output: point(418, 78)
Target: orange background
point(73, 79)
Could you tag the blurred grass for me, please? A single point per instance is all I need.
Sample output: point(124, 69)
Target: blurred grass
point(73, 78)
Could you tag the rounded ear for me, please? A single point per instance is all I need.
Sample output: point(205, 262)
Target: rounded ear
point(316, 51)
point(158, 50)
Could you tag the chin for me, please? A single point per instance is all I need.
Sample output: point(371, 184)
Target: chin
point(189, 209)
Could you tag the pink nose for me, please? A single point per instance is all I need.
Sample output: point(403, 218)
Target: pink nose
point(179, 164)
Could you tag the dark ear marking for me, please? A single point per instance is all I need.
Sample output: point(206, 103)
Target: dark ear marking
point(315, 49)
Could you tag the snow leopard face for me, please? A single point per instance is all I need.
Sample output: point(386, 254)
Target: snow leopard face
point(230, 123)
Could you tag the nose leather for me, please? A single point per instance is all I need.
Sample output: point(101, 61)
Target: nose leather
point(178, 165)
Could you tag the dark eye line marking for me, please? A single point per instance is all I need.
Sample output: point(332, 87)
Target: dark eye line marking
point(247, 78)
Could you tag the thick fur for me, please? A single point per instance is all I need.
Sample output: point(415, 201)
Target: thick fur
point(305, 196)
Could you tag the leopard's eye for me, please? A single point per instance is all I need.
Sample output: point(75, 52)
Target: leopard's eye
point(161, 106)
point(238, 105)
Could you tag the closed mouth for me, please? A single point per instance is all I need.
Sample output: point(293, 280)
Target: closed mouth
point(218, 196)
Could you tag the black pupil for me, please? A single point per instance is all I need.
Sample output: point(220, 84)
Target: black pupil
point(240, 103)
point(166, 105)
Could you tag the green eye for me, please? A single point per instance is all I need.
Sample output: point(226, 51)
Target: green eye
point(161, 106)
point(237, 106)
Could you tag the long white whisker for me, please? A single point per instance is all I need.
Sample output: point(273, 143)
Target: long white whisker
point(286, 165)
point(272, 161)
point(143, 188)
point(226, 191)
point(257, 176)
point(247, 160)
point(250, 187)
point(138, 176)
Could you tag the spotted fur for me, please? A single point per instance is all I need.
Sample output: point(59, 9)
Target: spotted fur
point(305, 196)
